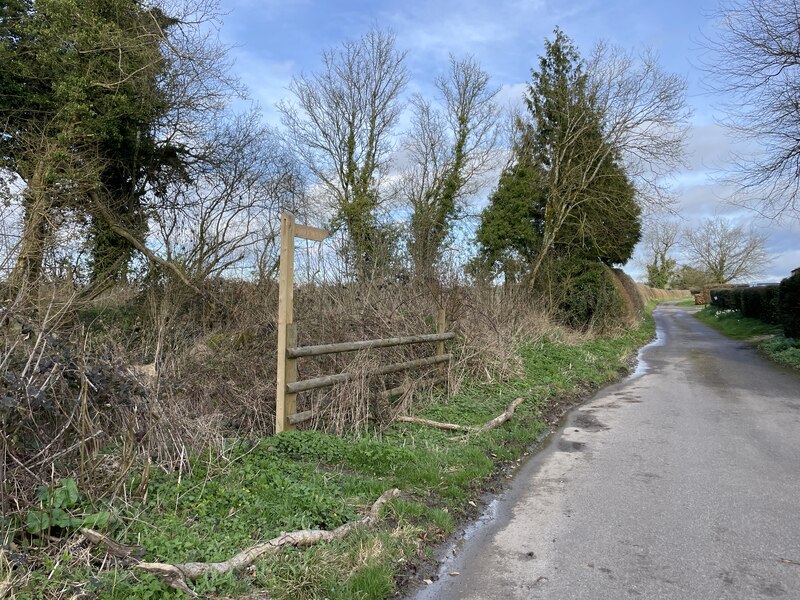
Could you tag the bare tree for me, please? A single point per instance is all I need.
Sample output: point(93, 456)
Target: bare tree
point(221, 219)
point(644, 116)
point(449, 147)
point(340, 124)
point(726, 252)
point(661, 237)
point(755, 62)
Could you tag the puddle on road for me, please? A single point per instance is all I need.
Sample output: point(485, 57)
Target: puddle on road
point(588, 422)
point(642, 367)
point(449, 557)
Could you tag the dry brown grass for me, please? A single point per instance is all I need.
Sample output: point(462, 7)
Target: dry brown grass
point(158, 374)
point(9, 580)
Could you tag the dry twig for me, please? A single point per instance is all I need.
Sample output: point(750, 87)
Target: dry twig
point(494, 423)
point(113, 548)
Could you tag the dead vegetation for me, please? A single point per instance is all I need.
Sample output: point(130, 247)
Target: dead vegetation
point(140, 378)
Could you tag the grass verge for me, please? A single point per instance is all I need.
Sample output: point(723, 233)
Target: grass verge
point(308, 479)
point(686, 302)
point(769, 339)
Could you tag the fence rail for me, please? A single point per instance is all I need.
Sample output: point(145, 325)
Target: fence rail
point(329, 380)
point(323, 349)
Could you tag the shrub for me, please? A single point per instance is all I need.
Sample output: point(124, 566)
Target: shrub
point(634, 302)
point(760, 303)
point(714, 286)
point(592, 297)
point(726, 298)
point(789, 305)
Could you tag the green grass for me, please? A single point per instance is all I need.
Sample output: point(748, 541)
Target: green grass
point(734, 325)
point(768, 338)
point(309, 479)
point(687, 302)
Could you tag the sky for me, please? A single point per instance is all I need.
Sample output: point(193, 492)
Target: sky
point(272, 40)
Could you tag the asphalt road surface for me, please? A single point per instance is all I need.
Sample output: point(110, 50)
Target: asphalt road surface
point(681, 482)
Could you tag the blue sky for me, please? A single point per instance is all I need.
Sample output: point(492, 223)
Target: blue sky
point(275, 39)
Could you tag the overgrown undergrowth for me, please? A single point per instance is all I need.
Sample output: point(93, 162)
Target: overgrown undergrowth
point(310, 479)
point(768, 338)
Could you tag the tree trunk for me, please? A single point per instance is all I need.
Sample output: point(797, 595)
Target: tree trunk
point(36, 232)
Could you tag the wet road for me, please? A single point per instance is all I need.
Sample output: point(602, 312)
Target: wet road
point(681, 482)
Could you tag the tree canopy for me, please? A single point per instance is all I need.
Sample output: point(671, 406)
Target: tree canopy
point(566, 191)
point(81, 108)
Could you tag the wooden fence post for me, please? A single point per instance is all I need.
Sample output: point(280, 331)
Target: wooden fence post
point(441, 327)
point(286, 401)
point(285, 404)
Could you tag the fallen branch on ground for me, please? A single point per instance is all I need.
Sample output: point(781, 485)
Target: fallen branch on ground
point(437, 424)
point(500, 419)
point(177, 575)
point(496, 422)
point(112, 547)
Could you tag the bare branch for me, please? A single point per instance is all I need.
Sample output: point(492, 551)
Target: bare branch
point(726, 252)
point(340, 125)
point(754, 61)
point(449, 148)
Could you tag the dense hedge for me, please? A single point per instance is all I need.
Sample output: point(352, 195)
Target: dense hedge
point(789, 303)
point(707, 289)
point(760, 303)
point(725, 298)
point(634, 302)
point(774, 304)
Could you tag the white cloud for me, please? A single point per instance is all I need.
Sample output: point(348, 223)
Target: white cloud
point(512, 95)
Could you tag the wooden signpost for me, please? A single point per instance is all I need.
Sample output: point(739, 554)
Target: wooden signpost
point(285, 401)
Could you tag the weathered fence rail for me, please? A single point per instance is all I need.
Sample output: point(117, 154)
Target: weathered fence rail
point(329, 380)
point(323, 349)
point(286, 415)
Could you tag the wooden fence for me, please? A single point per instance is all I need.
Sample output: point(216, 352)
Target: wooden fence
point(286, 415)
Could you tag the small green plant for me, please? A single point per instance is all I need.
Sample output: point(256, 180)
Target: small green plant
point(784, 350)
point(59, 506)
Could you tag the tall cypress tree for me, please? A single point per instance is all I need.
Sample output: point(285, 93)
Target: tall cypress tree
point(566, 193)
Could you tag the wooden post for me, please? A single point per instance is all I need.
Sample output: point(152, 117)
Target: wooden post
point(441, 327)
point(285, 404)
point(285, 401)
